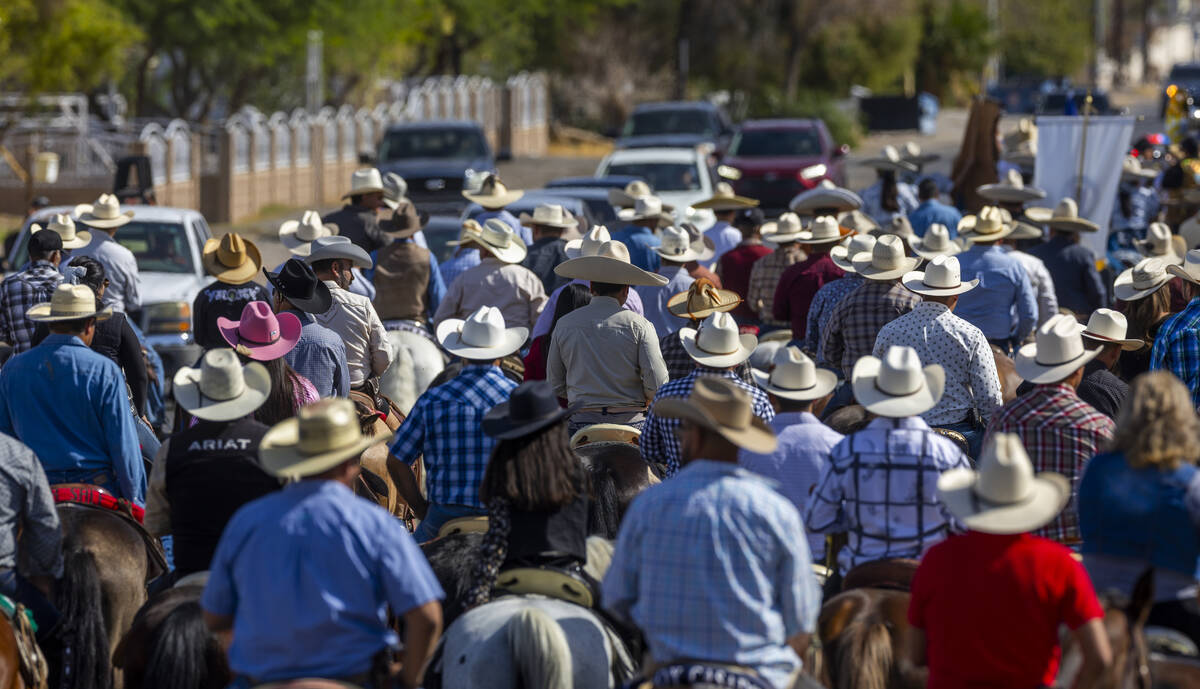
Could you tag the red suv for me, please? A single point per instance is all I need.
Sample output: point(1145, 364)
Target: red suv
point(777, 159)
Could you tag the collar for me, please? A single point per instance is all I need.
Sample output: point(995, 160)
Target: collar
point(932, 306)
point(42, 263)
point(333, 286)
point(63, 341)
point(478, 367)
point(489, 257)
point(304, 316)
point(796, 418)
point(702, 370)
point(605, 301)
point(883, 423)
point(1054, 389)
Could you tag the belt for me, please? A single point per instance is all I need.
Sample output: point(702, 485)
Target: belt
point(611, 410)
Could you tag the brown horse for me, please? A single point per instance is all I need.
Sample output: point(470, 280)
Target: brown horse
point(17, 672)
point(1007, 371)
point(377, 482)
point(169, 645)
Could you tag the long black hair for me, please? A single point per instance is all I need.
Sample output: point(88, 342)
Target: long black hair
point(281, 400)
point(92, 275)
point(889, 198)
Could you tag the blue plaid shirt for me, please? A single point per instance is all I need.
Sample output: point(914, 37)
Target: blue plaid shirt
point(444, 426)
point(18, 293)
point(320, 357)
point(714, 565)
point(823, 304)
point(659, 442)
point(1177, 348)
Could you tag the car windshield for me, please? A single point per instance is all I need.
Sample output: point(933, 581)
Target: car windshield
point(438, 234)
point(658, 122)
point(158, 246)
point(1185, 73)
point(432, 143)
point(661, 176)
point(760, 143)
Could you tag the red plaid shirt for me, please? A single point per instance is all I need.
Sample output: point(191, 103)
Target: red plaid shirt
point(1060, 432)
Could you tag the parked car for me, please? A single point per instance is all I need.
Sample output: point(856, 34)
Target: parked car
point(610, 182)
point(773, 160)
point(439, 231)
point(679, 176)
point(436, 158)
point(1184, 76)
point(167, 243)
point(1055, 102)
point(677, 124)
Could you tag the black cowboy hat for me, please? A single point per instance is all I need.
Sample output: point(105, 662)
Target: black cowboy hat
point(297, 281)
point(531, 407)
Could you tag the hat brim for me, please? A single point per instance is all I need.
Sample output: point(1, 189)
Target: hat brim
point(1124, 290)
point(1050, 493)
point(495, 201)
point(605, 433)
point(664, 218)
point(515, 252)
point(838, 200)
point(826, 382)
point(449, 335)
point(1072, 225)
point(1030, 370)
point(296, 245)
point(320, 302)
point(726, 203)
point(186, 387)
point(690, 255)
point(746, 345)
point(1126, 345)
point(83, 214)
point(280, 455)
point(864, 381)
point(1022, 230)
point(887, 164)
point(915, 282)
point(757, 437)
point(770, 233)
point(43, 313)
point(528, 220)
point(677, 305)
point(336, 252)
point(914, 243)
point(235, 275)
point(840, 255)
point(610, 270)
point(1004, 193)
point(865, 268)
point(364, 190)
point(497, 423)
point(1145, 248)
point(289, 334)
point(806, 237)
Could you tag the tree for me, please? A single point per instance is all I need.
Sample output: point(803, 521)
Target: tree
point(955, 43)
point(1046, 38)
point(70, 45)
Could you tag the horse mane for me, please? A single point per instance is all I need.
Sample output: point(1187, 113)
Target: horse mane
point(604, 518)
point(618, 474)
point(856, 641)
point(184, 654)
point(451, 558)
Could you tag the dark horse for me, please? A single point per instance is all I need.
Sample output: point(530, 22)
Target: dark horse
point(169, 645)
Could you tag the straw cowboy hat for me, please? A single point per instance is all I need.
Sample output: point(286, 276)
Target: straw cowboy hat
point(646, 208)
point(824, 230)
point(858, 221)
point(482, 336)
point(588, 244)
point(104, 214)
point(717, 343)
point(1020, 145)
point(889, 160)
point(1159, 243)
point(901, 227)
point(858, 244)
point(496, 237)
point(1132, 170)
point(320, 437)
point(261, 334)
point(1011, 190)
point(549, 215)
point(941, 278)
point(677, 246)
point(912, 153)
point(794, 376)
point(365, 181)
point(1110, 327)
point(231, 259)
point(826, 196)
point(1064, 217)
point(936, 242)
point(222, 389)
point(605, 433)
point(886, 260)
point(68, 303)
point(896, 386)
point(991, 225)
point(298, 235)
point(627, 197)
point(64, 227)
point(720, 406)
point(609, 264)
point(395, 190)
point(492, 194)
point(1056, 353)
point(1004, 496)
point(1023, 230)
point(701, 300)
point(327, 248)
point(530, 407)
point(786, 228)
point(723, 199)
point(703, 245)
point(1142, 280)
point(297, 282)
point(1190, 268)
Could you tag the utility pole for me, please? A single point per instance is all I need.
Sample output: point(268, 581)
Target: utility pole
point(991, 74)
point(314, 77)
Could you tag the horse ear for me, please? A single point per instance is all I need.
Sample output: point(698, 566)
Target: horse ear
point(1142, 598)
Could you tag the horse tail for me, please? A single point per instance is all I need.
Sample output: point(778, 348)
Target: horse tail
point(183, 654)
point(604, 517)
point(865, 655)
point(539, 650)
point(86, 663)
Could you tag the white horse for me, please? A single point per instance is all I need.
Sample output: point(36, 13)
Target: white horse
point(416, 362)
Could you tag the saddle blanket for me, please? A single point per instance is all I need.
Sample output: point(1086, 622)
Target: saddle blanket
point(94, 496)
point(411, 327)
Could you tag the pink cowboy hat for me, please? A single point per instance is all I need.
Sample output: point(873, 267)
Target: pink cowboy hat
point(261, 334)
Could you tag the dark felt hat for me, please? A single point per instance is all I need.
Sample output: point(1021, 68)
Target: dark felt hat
point(297, 281)
point(531, 407)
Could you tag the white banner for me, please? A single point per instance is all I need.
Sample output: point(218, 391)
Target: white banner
point(1059, 141)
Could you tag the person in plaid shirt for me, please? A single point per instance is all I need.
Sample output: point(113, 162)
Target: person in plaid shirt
point(832, 293)
point(34, 285)
point(766, 271)
point(701, 300)
point(1177, 345)
point(1058, 429)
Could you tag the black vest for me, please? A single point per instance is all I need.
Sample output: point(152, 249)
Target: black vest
point(212, 470)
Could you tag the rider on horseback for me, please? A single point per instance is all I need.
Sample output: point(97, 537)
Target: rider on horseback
point(27, 509)
point(319, 354)
point(408, 285)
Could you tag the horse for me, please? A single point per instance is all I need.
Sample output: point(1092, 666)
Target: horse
point(417, 361)
point(169, 645)
point(1007, 371)
point(376, 481)
point(22, 664)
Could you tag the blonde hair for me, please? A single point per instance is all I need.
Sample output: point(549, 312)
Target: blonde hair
point(1157, 425)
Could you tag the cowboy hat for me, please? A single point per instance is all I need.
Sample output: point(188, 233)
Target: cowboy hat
point(1023, 230)
point(900, 226)
point(896, 386)
point(1190, 268)
point(823, 230)
point(886, 260)
point(297, 235)
point(1020, 145)
point(677, 246)
point(260, 333)
point(549, 215)
point(365, 181)
point(991, 225)
point(701, 300)
point(68, 303)
point(936, 242)
point(1142, 280)
point(495, 237)
point(1132, 170)
point(786, 228)
point(701, 244)
point(335, 248)
point(221, 389)
point(716, 343)
point(1159, 243)
point(1011, 190)
point(912, 154)
point(858, 221)
point(1064, 217)
point(321, 436)
point(231, 259)
point(104, 214)
point(492, 194)
point(825, 197)
point(723, 199)
point(627, 197)
point(1004, 496)
point(859, 243)
point(1110, 327)
point(941, 278)
point(794, 376)
point(64, 226)
point(605, 433)
point(588, 244)
point(609, 264)
point(720, 406)
point(531, 407)
point(395, 190)
point(1056, 353)
point(297, 282)
point(889, 160)
point(646, 208)
point(482, 336)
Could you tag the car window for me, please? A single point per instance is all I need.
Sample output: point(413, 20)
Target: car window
point(1185, 73)
point(776, 142)
point(432, 143)
point(657, 122)
point(437, 238)
point(157, 246)
point(601, 211)
point(661, 176)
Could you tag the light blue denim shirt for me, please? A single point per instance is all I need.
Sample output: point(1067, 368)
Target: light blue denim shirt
point(1004, 304)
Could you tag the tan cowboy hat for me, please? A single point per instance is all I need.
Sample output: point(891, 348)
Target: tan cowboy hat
point(492, 194)
point(298, 235)
point(104, 214)
point(824, 230)
point(723, 199)
point(1190, 268)
point(889, 160)
point(826, 196)
point(231, 259)
point(886, 260)
point(1056, 353)
point(1064, 217)
point(605, 433)
point(646, 208)
point(991, 225)
point(701, 300)
point(496, 237)
point(786, 228)
point(68, 303)
point(896, 386)
point(1004, 496)
point(1023, 230)
point(936, 242)
point(858, 221)
point(64, 226)
point(1132, 170)
point(941, 278)
point(482, 336)
point(221, 389)
point(549, 215)
point(365, 181)
point(859, 243)
point(627, 197)
point(395, 190)
point(588, 244)
point(1159, 243)
point(717, 343)
point(609, 264)
point(722, 407)
point(794, 376)
point(1011, 190)
point(1143, 279)
point(1110, 327)
point(320, 437)
point(677, 246)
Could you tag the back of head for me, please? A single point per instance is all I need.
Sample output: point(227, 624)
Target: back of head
point(572, 297)
point(1157, 425)
point(927, 189)
point(43, 244)
point(90, 273)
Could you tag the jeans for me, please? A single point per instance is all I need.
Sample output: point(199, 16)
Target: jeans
point(973, 434)
point(97, 477)
point(438, 515)
point(19, 589)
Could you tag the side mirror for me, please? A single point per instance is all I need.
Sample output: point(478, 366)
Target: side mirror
point(841, 151)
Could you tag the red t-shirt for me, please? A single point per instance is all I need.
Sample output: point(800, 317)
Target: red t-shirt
point(991, 606)
point(734, 268)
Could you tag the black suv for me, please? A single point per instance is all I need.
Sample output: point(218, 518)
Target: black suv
point(435, 157)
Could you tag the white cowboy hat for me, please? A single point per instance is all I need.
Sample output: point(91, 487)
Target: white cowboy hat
point(677, 246)
point(1056, 353)
point(646, 208)
point(68, 303)
point(1004, 496)
point(786, 228)
point(901, 227)
point(896, 386)
point(717, 343)
point(941, 278)
point(588, 244)
point(826, 196)
point(1142, 280)
point(1190, 268)
point(722, 407)
point(297, 235)
point(104, 214)
point(886, 260)
point(1159, 243)
point(482, 336)
point(627, 197)
point(496, 237)
point(64, 226)
point(395, 190)
point(364, 181)
point(936, 242)
point(1110, 327)
point(842, 253)
point(1131, 169)
point(858, 221)
point(912, 153)
point(991, 225)
point(549, 215)
point(889, 159)
point(609, 264)
point(492, 194)
point(701, 244)
point(324, 248)
point(221, 389)
point(823, 230)
point(1064, 217)
point(321, 436)
point(1011, 190)
point(794, 376)
point(701, 300)
point(723, 199)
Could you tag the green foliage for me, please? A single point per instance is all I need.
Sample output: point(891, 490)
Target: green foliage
point(955, 44)
point(1045, 38)
point(62, 46)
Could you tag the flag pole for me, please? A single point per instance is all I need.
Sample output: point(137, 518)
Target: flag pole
point(1087, 114)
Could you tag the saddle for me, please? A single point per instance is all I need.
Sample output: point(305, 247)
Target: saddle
point(34, 670)
point(88, 496)
point(701, 675)
point(549, 582)
point(895, 574)
point(464, 525)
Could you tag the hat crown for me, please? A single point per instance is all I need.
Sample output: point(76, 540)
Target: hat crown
point(900, 372)
point(532, 400)
point(394, 186)
point(1066, 208)
point(637, 189)
point(296, 279)
point(497, 233)
point(990, 220)
point(937, 238)
point(232, 252)
point(912, 149)
point(890, 153)
point(551, 213)
point(825, 227)
point(490, 185)
point(1005, 472)
point(1158, 236)
point(221, 375)
point(723, 190)
point(675, 241)
point(614, 250)
point(1108, 323)
point(723, 402)
point(259, 324)
point(484, 328)
point(860, 244)
point(70, 300)
point(718, 334)
point(943, 272)
point(1149, 271)
point(888, 253)
point(328, 425)
point(1059, 341)
point(788, 223)
point(593, 240)
point(704, 295)
point(63, 225)
point(365, 178)
point(310, 226)
point(107, 207)
point(793, 370)
point(647, 205)
point(1014, 179)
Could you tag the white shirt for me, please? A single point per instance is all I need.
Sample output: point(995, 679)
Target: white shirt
point(512, 288)
point(724, 237)
point(120, 267)
point(1043, 284)
point(353, 318)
